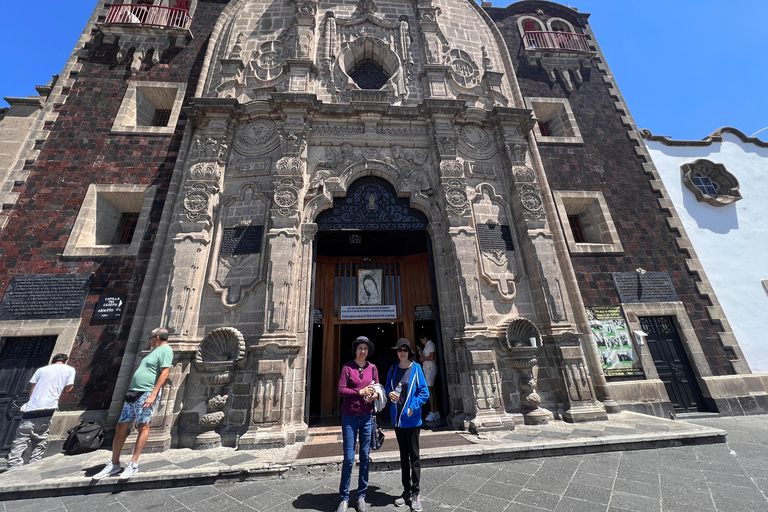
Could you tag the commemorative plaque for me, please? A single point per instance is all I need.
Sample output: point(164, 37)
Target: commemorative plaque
point(494, 237)
point(648, 287)
point(422, 312)
point(109, 307)
point(240, 241)
point(37, 296)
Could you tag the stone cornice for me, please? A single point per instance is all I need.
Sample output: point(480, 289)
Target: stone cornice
point(716, 136)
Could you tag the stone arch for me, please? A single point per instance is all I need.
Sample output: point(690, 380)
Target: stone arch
point(560, 23)
point(539, 26)
point(375, 50)
point(381, 169)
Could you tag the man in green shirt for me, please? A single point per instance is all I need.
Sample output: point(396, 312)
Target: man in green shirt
point(140, 400)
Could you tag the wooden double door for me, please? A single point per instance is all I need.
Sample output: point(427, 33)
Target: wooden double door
point(404, 288)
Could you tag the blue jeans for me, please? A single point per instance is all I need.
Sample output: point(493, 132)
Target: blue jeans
point(350, 426)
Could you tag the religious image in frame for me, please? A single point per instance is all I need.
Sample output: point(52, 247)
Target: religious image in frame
point(369, 286)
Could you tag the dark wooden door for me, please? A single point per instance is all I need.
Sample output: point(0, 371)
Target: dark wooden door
point(672, 363)
point(19, 359)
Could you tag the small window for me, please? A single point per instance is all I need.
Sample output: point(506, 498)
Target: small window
point(555, 121)
point(111, 221)
point(161, 117)
point(705, 184)
point(127, 227)
point(589, 227)
point(576, 229)
point(150, 107)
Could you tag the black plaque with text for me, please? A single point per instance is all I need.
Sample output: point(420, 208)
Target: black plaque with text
point(36, 296)
point(109, 307)
point(648, 287)
point(494, 237)
point(239, 241)
point(423, 312)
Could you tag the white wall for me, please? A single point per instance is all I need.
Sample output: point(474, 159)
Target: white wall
point(731, 241)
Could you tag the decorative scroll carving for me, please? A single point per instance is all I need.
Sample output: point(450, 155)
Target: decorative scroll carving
point(286, 196)
point(531, 201)
point(196, 201)
point(524, 174)
point(455, 196)
point(451, 169)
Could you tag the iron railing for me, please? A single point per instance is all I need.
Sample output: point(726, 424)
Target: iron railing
point(149, 15)
point(556, 41)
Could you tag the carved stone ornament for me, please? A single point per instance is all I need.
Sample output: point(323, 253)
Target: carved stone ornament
point(305, 9)
point(475, 142)
point(267, 61)
point(516, 152)
point(531, 200)
point(208, 149)
point(464, 70)
point(446, 146)
point(711, 183)
point(524, 174)
point(456, 196)
point(258, 132)
point(451, 169)
point(207, 171)
point(221, 349)
point(286, 196)
point(519, 334)
point(293, 144)
point(196, 201)
point(290, 166)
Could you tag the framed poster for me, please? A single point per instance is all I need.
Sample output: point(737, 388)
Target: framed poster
point(369, 286)
point(614, 342)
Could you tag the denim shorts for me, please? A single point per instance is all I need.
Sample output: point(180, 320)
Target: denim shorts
point(135, 411)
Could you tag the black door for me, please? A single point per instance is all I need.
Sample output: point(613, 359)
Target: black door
point(672, 363)
point(19, 359)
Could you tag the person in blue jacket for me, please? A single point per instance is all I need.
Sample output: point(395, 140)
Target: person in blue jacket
point(407, 389)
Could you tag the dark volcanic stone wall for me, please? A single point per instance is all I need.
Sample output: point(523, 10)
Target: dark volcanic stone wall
point(607, 162)
point(78, 152)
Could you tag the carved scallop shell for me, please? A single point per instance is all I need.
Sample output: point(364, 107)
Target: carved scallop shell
point(218, 379)
point(519, 333)
point(225, 344)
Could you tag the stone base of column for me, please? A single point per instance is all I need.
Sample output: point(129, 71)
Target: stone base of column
point(491, 420)
point(579, 413)
point(536, 417)
point(207, 441)
point(158, 442)
point(258, 438)
point(611, 406)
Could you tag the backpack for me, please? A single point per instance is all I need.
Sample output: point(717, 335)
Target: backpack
point(85, 437)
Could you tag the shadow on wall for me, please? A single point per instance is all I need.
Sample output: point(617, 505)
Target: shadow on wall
point(717, 219)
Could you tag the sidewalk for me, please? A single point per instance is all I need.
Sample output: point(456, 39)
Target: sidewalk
point(59, 475)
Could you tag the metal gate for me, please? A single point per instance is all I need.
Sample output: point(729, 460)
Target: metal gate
point(672, 363)
point(19, 359)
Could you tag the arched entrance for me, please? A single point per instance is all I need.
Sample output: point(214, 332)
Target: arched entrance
point(373, 277)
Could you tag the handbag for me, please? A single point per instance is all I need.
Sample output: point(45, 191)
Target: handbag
point(377, 437)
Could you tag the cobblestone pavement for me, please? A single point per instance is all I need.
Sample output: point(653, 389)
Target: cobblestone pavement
point(718, 477)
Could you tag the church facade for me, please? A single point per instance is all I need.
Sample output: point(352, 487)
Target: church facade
point(270, 180)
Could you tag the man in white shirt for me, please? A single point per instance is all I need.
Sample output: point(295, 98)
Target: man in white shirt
point(428, 357)
point(48, 384)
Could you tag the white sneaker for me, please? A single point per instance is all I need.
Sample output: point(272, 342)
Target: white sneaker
point(131, 469)
point(109, 470)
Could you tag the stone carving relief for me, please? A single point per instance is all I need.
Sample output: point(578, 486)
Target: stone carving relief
point(235, 274)
point(455, 196)
point(196, 201)
point(531, 201)
point(516, 152)
point(476, 143)
point(485, 380)
point(221, 351)
point(287, 196)
point(521, 174)
point(412, 165)
point(208, 149)
point(451, 169)
point(497, 264)
point(551, 277)
point(465, 72)
point(268, 393)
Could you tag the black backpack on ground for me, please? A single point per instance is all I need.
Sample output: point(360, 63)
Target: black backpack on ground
point(85, 437)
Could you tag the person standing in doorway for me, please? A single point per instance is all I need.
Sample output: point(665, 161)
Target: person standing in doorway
point(407, 389)
point(48, 384)
point(139, 403)
point(356, 388)
point(428, 356)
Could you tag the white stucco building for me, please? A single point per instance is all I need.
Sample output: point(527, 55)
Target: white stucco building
point(728, 229)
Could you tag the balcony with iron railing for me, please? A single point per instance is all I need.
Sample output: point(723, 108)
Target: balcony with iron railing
point(560, 44)
point(147, 19)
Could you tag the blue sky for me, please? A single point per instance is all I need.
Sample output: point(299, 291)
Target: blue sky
point(685, 67)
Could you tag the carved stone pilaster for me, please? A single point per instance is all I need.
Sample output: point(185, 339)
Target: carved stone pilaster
point(486, 410)
point(579, 395)
point(277, 397)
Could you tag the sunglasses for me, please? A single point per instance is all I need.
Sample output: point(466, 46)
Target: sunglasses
point(360, 370)
point(403, 349)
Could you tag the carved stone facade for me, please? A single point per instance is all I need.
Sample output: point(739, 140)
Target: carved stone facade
point(281, 129)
